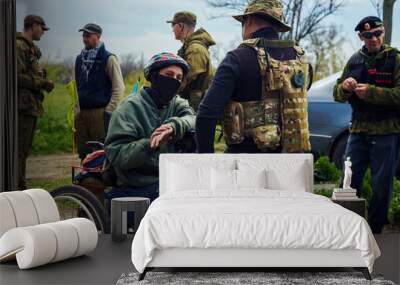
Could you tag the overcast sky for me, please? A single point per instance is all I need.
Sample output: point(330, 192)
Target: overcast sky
point(133, 26)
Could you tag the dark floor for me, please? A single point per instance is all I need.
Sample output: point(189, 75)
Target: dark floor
point(103, 266)
point(110, 260)
point(389, 262)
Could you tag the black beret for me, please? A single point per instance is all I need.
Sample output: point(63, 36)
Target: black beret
point(372, 21)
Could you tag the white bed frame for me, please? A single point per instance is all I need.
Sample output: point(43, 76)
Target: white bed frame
point(251, 258)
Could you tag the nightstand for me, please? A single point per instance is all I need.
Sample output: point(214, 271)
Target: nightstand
point(357, 205)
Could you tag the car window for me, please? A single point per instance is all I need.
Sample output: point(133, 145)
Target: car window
point(322, 90)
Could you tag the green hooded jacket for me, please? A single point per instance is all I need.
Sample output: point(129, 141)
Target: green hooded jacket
point(128, 145)
point(195, 52)
point(375, 95)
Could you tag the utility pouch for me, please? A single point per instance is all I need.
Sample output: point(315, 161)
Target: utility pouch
point(233, 123)
point(267, 137)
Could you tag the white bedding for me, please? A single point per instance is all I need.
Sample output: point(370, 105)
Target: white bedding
point(251, 218)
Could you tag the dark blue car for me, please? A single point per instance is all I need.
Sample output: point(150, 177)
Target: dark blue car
point(329, 120)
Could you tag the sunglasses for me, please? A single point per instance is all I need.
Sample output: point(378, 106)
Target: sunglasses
point(370, 35)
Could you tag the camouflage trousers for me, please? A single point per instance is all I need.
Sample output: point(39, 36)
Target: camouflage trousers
point(26, 130)
point(89, 126)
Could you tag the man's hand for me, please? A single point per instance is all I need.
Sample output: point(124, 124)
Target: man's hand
point(349, 84)
point(161, 135)
point(48, 85)
point(361, 90)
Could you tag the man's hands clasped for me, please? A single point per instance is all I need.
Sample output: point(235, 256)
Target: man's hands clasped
point(351, 85)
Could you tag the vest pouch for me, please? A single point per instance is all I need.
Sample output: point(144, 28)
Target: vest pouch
point(295, 129)
point(267, 137)
point(295, 77)
point(274, 79)
point(233, 123)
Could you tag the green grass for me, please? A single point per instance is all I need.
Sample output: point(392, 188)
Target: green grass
point(132, 78)
point(48, 184)
point(53, 135)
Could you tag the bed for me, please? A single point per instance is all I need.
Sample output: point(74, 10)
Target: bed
point(247, 211)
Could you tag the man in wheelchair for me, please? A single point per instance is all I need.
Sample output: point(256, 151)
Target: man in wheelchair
point(147, 124)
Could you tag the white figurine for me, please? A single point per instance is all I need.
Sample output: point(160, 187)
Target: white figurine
point(347, 174)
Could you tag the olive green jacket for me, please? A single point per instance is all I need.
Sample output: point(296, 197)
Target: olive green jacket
point(128, 145)
point(30, 77)
point(375, 95)
point(195, 52)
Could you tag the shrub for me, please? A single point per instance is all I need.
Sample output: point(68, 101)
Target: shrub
point(326, 171)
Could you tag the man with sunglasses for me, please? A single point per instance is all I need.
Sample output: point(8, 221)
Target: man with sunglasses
point(195, 52)
point(371, 84)
point(32, 82)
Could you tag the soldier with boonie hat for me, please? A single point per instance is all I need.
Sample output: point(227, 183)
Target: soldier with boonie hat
point(247, 96)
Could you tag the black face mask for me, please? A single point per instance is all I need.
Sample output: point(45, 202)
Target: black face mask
point(166, 88)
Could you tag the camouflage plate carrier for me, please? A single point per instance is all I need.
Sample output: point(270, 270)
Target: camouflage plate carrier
point(280, 118)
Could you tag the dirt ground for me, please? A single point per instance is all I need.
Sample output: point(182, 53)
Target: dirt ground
point(50, 166)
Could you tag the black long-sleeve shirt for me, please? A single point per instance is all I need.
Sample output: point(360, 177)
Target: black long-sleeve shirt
point(238, 77)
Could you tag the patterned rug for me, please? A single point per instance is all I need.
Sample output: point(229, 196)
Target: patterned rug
point(244, 278)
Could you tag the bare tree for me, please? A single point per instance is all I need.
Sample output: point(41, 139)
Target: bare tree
point(131, 62)
point(235, 5)
point(306, 21)
point(378, 6)
point(325, 51)
point(388, 19)
point(305, 17)
point(218, 50)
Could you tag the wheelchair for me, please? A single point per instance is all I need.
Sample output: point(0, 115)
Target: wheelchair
point(92, 179)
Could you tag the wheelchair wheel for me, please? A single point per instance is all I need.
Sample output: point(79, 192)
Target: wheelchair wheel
point(75, 201)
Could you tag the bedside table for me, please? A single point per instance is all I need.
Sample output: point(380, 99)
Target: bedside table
point(357, 205)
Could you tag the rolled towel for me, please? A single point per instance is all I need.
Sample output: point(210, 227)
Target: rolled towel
point(7, 217)
point(37, 245)
point(23, 208)
point(45, 205)
point(32, 246)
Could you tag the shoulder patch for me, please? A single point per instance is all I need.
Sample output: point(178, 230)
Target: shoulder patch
point(299, 50)
point(250, 42)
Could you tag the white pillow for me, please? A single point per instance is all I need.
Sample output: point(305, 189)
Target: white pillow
point(284, 174)
point(226, 179)
point(292, 179)
point(251, 178)
point(223, 179)
point(186, 176)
